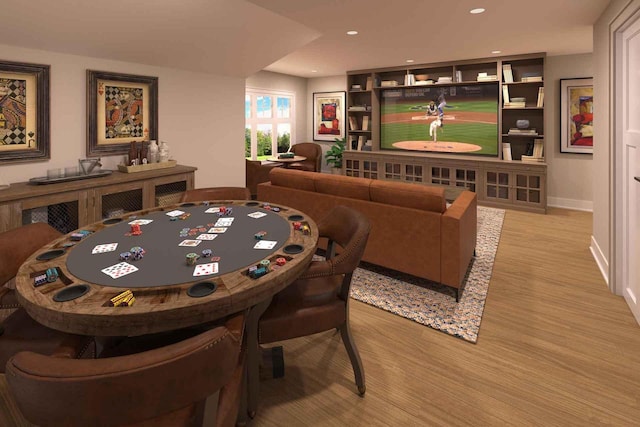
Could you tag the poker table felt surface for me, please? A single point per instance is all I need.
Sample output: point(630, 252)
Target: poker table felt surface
point(157, 307)
point(164, 262)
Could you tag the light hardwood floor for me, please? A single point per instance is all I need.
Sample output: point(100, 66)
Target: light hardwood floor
point(555, 348)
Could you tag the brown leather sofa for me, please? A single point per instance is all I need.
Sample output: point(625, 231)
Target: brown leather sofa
point(412, 230)
point(257, 172)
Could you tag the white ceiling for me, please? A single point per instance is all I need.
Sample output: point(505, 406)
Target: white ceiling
point(239, 38)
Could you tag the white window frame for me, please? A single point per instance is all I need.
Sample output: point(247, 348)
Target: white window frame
point(274, 121)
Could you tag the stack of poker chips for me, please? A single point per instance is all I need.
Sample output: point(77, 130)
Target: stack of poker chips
point(124, 299)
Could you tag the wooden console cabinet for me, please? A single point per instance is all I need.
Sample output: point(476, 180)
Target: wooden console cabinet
point(498, 183)
point(70, 205)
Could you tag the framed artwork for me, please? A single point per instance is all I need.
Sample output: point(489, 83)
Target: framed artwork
point(576, 115)
point(24, 112)
point(328, 116)
point(121, 108)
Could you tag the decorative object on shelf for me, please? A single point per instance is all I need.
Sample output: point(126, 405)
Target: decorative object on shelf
point(55, 178)
point(333, 156)
point(328, 116)
point(87, 166)
point(154, 151)
point(147, 167)
point(24, 112)
point(163, 152)
point(576, 115)
point(121, 108)
point(522, 124)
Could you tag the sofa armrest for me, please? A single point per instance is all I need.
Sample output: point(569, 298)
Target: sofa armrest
point(459, 232)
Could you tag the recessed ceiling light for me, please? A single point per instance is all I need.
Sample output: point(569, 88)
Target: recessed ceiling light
point(314, 71)
point(476, 11)
point(409, 60)
point(496, 51)
point(352, 32)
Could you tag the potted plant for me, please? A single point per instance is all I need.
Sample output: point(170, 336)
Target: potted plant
point(334, 155)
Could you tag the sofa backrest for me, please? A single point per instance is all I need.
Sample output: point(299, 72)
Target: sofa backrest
point(426, 198)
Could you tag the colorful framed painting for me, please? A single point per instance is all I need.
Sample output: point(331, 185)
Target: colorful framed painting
point(328, 116)
point(121, 109)
point(576, 115)
point(24, 112)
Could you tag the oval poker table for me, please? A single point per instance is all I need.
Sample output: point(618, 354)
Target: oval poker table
point(169, 293)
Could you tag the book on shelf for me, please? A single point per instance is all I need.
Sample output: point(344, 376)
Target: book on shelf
point(506, 151)
point(459, 76)
point(531, 159)
point(357, 108)
point(365, 123)
point(353, 124)
point(369, 85)
point(538, 148)
point(516, 131)
point(388, 83)
point(356, 87)
point(515, 104)
point(368, 146)
point(445, 79)
point(424, 82)
point(531, 77)
point(507, 73)
point(487, 77)
point(361, 142)
point(353, 142)
point(505, 94)
point(540, 102)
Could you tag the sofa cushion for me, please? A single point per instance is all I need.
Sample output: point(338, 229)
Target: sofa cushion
point(343, 186)
point(408, 195)
point(292, 179)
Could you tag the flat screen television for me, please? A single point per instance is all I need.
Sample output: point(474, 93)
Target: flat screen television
point(461, 119)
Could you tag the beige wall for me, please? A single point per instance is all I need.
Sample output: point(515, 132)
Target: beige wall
point(569, 176)
point(298, 85)
point(201, 116)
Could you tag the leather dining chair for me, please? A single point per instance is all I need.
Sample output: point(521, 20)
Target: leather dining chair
point(216, 193)
point(165, 386)
point(19, 332)
point(319, 299)
point(313, 153)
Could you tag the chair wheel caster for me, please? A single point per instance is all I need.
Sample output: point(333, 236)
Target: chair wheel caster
point(362, 390)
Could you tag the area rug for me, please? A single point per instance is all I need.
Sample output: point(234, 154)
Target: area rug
point(432, 304)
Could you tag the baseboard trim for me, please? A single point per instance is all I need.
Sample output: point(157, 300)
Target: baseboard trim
point(600, 259)
point(579, 205)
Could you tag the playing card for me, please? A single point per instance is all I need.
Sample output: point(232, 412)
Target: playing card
point(257, 214)
point(119, 270)
point(175, 213)
point(265, 244)
point(141, 221)
point(190, 242)
point(224, 222)
point(206, 269)
point(108, 247)
point(207, 236)
point(217, 230)
point(212, 210)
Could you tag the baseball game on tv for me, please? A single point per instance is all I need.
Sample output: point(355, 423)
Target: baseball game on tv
point(447, 119)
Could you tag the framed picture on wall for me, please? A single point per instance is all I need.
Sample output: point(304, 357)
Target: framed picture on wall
point(24, 112)
point(576, 115)
point(121, 108)
point(328, 116)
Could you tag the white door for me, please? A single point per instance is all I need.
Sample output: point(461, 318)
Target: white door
point(630, 86)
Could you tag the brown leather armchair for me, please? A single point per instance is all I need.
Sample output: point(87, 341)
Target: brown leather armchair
point(19, 331)
point(165, 386)
point(319, 299)
point(216, 193)
point(313, 153)
point(256, 173)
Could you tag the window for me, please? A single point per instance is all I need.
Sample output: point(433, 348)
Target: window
point(269, 123)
